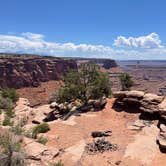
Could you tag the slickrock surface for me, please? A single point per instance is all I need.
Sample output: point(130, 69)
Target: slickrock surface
point(69, 138)
point(17, 71)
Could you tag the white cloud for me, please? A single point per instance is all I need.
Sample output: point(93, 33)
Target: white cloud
point(36, 44)
point(150, 41)
point(32, 36)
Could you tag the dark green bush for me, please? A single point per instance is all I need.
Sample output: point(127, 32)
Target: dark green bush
point(7, 121)
point(41, 128)
point(10, 93)
point(126, 81)
point(5, 103)
point(18, 130)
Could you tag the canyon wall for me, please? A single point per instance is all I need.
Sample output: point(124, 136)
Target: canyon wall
point(17, 71)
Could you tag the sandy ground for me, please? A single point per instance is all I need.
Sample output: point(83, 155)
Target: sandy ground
point(41, 94)
point(135, 148)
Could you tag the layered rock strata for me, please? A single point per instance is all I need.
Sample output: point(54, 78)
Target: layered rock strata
point(17, 71)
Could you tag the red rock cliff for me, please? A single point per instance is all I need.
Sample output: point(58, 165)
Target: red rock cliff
point(18, 71)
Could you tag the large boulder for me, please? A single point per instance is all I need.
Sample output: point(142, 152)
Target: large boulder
point(135, 94)
point(41, 113)
point(150, 103)
point(153, 98)
point(119, 94)
point(141, 102)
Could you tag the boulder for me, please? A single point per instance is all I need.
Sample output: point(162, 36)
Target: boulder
point(119, 94)
point(150, 103)
point(153, 98)
point(37, 151)
point(51, 116)
point(149, 108)
point(41, 113)
point(135, 94)
point(100, 103)
point(54, 105)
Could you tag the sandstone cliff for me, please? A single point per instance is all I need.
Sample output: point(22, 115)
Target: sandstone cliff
point(18, 71)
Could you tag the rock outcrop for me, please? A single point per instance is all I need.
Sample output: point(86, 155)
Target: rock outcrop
point(141, 102)
point(148, 103)
point(18, 71)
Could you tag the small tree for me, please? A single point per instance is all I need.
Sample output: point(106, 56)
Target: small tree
point(41, 128)
point(126, 81)
point(87, 83)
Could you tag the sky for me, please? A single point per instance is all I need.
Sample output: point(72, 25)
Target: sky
point(118, 29)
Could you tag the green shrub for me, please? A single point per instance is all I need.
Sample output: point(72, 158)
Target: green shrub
point(7, 121)
point(10, 113)
point(5, 103)
point(41, 128)
point(126, 81)
point(10, 93)
point(42, 140)
point(18, 130)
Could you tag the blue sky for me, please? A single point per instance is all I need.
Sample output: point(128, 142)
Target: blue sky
point(119, 29)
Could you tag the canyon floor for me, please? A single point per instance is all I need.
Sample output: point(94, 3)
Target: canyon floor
point(135, 147)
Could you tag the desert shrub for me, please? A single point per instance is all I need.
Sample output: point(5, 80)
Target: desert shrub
point(7, 121)
point(11, 152)
point(42, 140)
point(59, 163)
point(9, 112)
point(18, 130)
point(8, 97)
point(5, 103)
point(126, 81)
point(41, 128)
point(10, 93)
point(87, 83)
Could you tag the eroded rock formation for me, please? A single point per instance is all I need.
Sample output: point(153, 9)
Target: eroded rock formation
point(152, 105)
point(18, 71)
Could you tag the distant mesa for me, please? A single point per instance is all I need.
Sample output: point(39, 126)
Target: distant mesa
point(105, 63)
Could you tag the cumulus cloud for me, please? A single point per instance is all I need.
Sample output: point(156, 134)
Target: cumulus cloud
point(150, 41)
point(36, 44)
